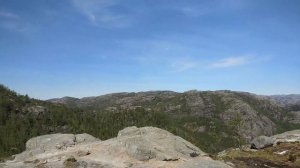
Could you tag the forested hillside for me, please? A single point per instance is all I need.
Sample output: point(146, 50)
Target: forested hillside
point(213, 123)
point(252, 114)
point(23, 118)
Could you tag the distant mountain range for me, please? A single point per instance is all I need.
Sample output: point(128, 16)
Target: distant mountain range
point(258, 114)
point(292, 100)
point(288, 100)
point(284, 99)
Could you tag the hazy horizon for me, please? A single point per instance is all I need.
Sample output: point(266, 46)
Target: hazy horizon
point(79, 48)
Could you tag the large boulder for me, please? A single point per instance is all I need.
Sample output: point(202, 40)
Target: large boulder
point(261, 142)
point(52, 141)
point(58, 141)
point(149, 142)
point(44, 143)
point(146, 147)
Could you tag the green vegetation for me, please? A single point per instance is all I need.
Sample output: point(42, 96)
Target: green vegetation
point(284, 126)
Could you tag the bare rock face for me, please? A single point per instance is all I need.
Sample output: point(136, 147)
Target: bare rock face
point(295, 117)
point(250, 123)
point(45, 143)
point(203, 162)
point(84, 138)
point(149, 142)
point(58, 141)
point(37, 110)
point(146, 147)
point(263, 141)
point(289, 136)
point(53, 141)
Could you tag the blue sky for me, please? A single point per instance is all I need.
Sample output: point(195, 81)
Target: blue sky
point(55, 48)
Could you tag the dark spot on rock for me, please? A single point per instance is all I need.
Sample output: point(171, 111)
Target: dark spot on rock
point(71, 162)
point(172, 159)
point(253, 146)
point(71, 159)
point(194, 154)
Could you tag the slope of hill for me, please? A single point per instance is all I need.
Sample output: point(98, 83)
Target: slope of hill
point(290, 101)
point(212, 121)
point(22, 118)
point(253, 115)
point(70, 101)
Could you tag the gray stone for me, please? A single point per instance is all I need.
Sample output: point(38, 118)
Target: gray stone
point(85, 138)
point(264, 141)
point(203, 163)
point(44, 143)
point(58, 141)
point(295, 119)
point(52, 141)
point(149, 142)
point(82, 153)
point(289, 136)
point(37, 110)
point(133, 147)
point(261, 142)
point(28, 154)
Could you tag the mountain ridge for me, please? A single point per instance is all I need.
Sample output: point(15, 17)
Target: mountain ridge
point(212, 120)
point(223, 104)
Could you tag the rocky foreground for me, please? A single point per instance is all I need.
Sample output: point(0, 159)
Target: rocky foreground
point(146, 147)
point(278, 151)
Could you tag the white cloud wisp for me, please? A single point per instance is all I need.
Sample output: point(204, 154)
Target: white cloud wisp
point(100, 13)
point(230, 62)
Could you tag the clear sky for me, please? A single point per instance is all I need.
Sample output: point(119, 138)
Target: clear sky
point(55, 48)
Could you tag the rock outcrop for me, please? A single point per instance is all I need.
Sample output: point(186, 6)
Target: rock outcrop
point(43, 144)
point(278, 151)
point(263, 141)
point(146, 147)
point(36, 110)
